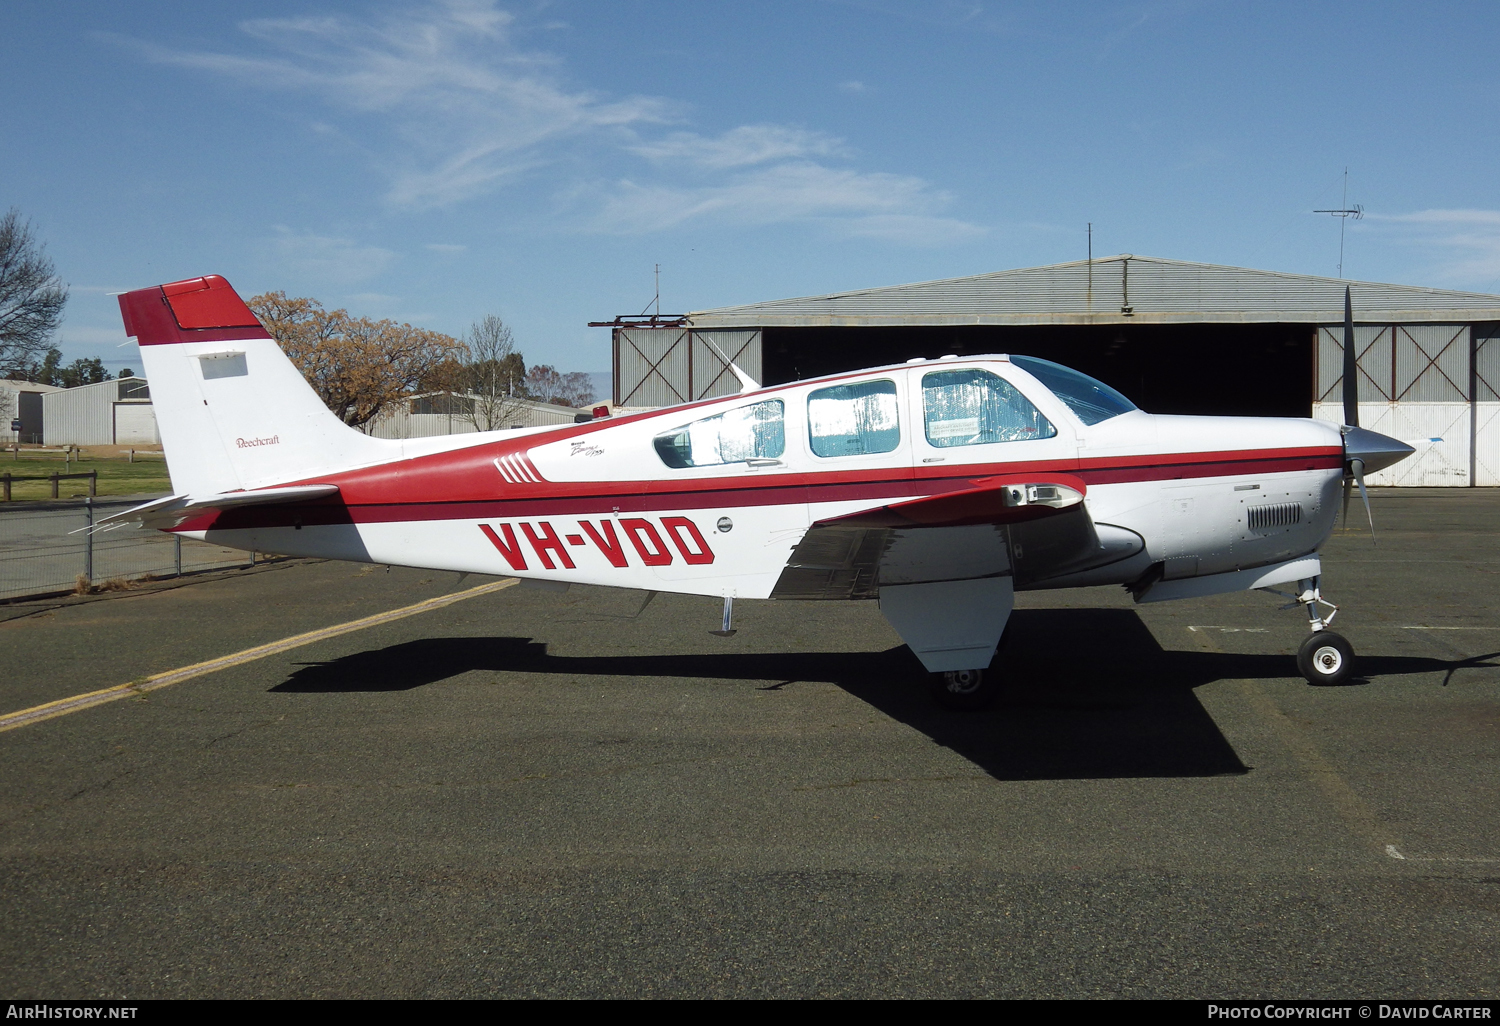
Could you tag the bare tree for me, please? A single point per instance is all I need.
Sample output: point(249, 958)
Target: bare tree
point(494, 374)
point(31, 294)
point(550, 386)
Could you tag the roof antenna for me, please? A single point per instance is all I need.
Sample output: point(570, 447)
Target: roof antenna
point(656, 299)
point(1355, 212)
point(1089, 297)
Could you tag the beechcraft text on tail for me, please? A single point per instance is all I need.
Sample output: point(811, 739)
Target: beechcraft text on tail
point(937, 488)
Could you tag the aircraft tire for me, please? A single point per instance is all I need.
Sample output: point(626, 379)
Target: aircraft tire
point(1325, 658)
point(963, 690)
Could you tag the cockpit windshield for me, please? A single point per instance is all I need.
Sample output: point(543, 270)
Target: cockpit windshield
point(1093, 401)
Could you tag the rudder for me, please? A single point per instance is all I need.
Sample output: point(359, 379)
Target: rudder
point(233, 411)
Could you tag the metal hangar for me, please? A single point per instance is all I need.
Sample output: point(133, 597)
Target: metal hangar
point(1175, 336)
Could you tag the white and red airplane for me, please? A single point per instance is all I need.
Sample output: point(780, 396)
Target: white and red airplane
point(937, 487)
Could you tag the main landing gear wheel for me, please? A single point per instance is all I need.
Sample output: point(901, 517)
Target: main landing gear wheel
point(963, 690)
point(1325, 658)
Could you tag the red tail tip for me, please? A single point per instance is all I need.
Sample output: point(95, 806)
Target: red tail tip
point(203, 309)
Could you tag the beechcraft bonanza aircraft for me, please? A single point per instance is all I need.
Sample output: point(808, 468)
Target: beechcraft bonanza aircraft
point(937, 487)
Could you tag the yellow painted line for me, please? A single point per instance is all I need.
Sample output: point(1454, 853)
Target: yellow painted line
point(62, 707)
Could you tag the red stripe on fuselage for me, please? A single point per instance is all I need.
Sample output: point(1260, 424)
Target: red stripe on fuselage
point(389, 494)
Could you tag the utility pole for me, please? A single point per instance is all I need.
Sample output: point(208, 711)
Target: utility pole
point(1355, 212)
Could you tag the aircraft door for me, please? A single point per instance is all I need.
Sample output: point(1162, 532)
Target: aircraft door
point(730, 495)
point(972, 419)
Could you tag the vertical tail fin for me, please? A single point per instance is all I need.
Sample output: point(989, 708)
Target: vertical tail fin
point(233, 411)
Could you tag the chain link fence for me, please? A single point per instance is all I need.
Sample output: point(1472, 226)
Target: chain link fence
point(46, 547)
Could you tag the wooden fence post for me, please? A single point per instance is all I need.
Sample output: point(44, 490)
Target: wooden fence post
point(54, 484)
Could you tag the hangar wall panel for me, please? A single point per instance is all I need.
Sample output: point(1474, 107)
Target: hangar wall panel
point(1487, 447)
point(401, 422)
point(666, 366)
point(711, 375)
point(1487, 405)
point(135, 424)
point(1402, 363)
point(80, 416)
point(651, 366)
point(1442, 464)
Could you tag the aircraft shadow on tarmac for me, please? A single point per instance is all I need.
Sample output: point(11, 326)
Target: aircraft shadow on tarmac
point(1091, 694)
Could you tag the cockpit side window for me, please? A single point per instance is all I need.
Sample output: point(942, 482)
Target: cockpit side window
point(757, 431)
point(854, 419)
point(1090, 399)
point(974, 407)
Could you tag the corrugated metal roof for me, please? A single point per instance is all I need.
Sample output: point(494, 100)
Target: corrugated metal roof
point(1114, 290)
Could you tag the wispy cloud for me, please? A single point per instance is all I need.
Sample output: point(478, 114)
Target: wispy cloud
point(740, 147)
point(1464, 243)
point(451, 108)
point(854, 87)
point(896, 207)
point(466, 109)
point(326, 259)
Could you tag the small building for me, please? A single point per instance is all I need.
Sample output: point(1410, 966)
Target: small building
point(445, 413)
point(21, 414)
point(1174, 336)
point(116, 412)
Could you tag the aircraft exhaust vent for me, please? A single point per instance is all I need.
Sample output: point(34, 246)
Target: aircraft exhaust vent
point(1281, 514)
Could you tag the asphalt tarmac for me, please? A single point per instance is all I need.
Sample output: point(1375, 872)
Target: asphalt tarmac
point(528, 793)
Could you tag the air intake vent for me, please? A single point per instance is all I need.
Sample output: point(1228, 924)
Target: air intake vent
point(1282, 514)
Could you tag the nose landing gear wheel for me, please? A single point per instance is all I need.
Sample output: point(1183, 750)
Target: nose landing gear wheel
point(962, 690)
point(1325, 658)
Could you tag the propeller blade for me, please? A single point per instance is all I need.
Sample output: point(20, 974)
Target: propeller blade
point(1344, 517)
point(1351, 365)
point(1358, 469)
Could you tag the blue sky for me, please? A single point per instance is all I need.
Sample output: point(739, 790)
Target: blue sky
point(437, 162)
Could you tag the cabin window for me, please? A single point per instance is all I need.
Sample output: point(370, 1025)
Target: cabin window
point(855, 419)
point(975, 407)
point(750, 432)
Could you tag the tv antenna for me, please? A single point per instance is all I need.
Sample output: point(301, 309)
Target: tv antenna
point(656, 299)
point(1355, 212)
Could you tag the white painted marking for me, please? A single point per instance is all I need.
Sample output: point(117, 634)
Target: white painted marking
point(1229, 630)
point(1421, 627)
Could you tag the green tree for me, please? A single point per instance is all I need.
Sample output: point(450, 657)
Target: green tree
point(81, 372)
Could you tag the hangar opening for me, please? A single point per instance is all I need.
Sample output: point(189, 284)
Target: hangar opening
point(1238, 369)
point(1174, 336)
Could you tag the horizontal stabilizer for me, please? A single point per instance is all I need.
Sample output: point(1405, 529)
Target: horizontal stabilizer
point(990, 501)
point(175, 509)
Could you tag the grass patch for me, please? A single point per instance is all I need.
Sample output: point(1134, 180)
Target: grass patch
point(117, 476)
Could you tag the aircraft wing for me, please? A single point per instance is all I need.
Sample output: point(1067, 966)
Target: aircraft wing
point(1034, 528)
point(175, 509)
